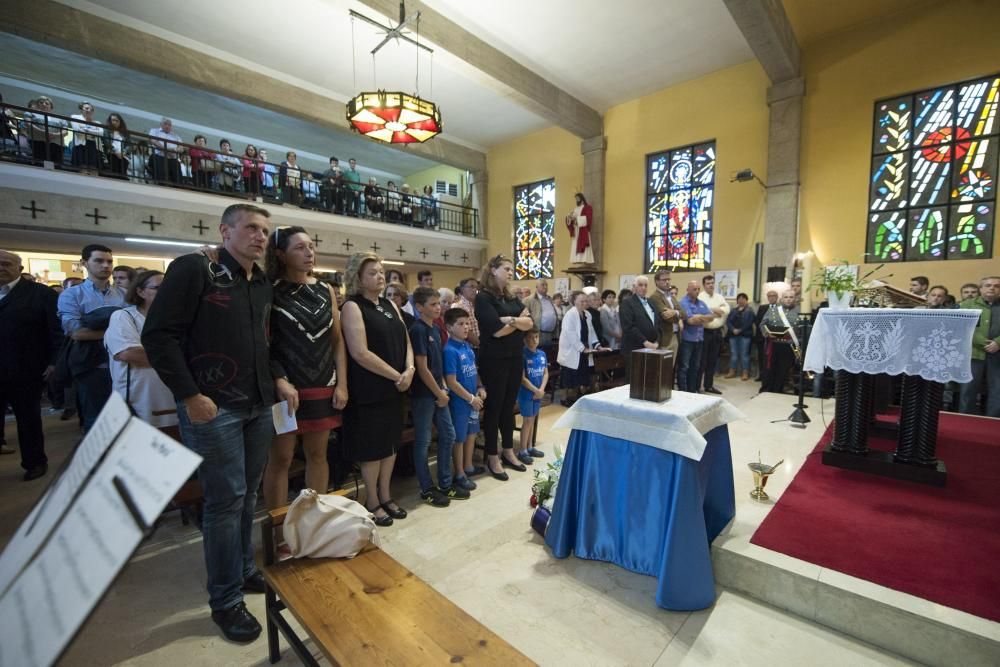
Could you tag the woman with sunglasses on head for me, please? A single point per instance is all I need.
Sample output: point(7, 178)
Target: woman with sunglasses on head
point(306, 341)
point(115, 144)
point(503, 319)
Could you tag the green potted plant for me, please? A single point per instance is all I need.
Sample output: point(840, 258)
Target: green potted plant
point(840, 282)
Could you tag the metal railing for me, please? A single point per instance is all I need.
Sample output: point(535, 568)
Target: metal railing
point(44, 139)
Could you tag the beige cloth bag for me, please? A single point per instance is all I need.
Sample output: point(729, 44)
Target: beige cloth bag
point(327, 526)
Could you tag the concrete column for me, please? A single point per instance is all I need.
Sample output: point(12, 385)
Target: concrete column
point(478, 185)
point(594, 151)
point(783, 150)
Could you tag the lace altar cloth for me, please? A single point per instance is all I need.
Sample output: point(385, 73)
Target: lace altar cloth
point(934, 344)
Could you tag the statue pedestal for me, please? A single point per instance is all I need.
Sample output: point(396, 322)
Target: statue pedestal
point(587, 273)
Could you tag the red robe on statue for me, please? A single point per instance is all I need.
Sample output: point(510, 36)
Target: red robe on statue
point(582, 234)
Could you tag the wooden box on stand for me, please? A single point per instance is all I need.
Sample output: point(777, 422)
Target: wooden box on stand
point(652, 374)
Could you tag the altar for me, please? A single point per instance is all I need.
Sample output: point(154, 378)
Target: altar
point(927, 346)
point(647, 486)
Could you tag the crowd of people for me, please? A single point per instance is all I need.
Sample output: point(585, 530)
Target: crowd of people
point(204, 350)
point(160, 156)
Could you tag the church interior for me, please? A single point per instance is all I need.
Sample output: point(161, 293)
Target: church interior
point(756, 141)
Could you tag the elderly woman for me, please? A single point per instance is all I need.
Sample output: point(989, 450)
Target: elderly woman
point(374, 201)
point(396, 292)
point(131, 375)
point(465, 299)
point(380, 370)
point(503, 319)
point(577, 341)
point(46, 132)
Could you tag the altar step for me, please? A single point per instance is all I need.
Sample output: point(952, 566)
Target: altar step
point(909, 626)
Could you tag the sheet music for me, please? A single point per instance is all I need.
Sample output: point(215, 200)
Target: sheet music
point(46, 605)
point(64, 487)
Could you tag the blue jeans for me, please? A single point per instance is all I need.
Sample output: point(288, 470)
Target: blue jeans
point(425, 412)
point(968, 392)
point(234, 447)
point(688, 365)
point(739, 354)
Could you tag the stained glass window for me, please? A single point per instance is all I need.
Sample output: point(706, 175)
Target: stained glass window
point(534, 226)
point(933, 174)
point(680, 191)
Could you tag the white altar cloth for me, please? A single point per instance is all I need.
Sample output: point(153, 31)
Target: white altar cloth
point(935, 344)
point(677, 425)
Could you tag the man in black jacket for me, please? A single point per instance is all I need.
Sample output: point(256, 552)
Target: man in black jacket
point(639, 327)
point(31, 335)
point(206, 335)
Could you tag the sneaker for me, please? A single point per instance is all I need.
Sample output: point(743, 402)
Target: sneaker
point(237, 623)
point(537, 453)
point(465, 483)
point(434, 497)
point(524, 457)
point(456, 492)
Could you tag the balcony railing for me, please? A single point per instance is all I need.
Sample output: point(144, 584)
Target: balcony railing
point(33, 137)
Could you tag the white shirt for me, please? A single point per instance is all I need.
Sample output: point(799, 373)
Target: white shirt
point(171, 140)
point(9, 287)
point(715, 301)
point(84, 131)
point(148, 395)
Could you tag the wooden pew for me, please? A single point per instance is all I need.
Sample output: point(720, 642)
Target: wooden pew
point(370, 610)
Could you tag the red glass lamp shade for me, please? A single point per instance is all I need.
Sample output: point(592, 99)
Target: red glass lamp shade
point(392, 117)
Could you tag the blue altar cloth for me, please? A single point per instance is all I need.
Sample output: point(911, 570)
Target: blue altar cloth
point(648, 510)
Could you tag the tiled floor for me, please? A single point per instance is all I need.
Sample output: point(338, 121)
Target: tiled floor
point(482, 555)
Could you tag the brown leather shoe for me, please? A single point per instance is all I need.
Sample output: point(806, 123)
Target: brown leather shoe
point(730, 375)
point(746, 376)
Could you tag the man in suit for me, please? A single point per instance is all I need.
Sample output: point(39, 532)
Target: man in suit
point(670, 315)
point(543, 312)
point(639, 328)
point(31, 335)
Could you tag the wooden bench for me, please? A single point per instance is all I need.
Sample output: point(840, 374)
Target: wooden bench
point(370, 610)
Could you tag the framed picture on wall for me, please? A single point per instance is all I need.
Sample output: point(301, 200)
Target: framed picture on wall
point(727, 283)
point(626, 280)
point(562, 287)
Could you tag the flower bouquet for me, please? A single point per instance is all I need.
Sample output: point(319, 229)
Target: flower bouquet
point(543, 492)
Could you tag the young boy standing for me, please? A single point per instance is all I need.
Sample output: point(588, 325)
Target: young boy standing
point(467, 393)
point(529, 397)
point(429, 403)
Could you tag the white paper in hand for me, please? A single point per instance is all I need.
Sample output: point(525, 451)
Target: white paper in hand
point(283, 422)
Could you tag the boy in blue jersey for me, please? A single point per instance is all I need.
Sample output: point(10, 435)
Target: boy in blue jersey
point(467, 394)
point(529, 397)
point(429, 403)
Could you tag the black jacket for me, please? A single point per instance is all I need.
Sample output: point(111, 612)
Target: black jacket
point(637, 328)
point(207, 332)
point(30, 332)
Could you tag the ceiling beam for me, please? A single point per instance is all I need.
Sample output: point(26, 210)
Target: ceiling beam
point(503, 73)
point(67, 28)
point(767, 30)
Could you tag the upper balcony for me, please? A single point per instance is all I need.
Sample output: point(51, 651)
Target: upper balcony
point(48, 153)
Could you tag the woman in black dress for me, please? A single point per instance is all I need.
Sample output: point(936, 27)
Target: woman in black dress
point(380, 370)
point(306, 341)
point(503, 319)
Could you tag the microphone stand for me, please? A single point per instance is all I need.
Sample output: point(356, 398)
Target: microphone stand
point(799, 418)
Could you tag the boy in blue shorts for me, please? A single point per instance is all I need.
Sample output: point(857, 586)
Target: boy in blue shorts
point(429, 403)
point(467, 393)
point(529, 397)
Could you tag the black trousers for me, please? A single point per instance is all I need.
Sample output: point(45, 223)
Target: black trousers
point(26, 400)
point(501, 379)
point(165, 169)
point(93, 389)
point(710, 351)
point(782, 360)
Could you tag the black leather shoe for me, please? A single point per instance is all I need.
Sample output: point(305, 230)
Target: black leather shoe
point(712, 390)
point(520, 467)
point(255, 583)
point(398, 513)
point(502, 476)
point(36, 472)
point(237, 623)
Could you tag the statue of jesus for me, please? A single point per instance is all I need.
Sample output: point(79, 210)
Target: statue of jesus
point(579, 223)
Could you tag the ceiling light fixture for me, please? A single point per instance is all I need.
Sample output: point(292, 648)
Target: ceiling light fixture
point(393, 262)
point(183, 244)
point(394, 117)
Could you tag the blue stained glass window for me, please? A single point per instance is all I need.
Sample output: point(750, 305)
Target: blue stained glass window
point(934, 196)
point(534, 228)
point(680, 195)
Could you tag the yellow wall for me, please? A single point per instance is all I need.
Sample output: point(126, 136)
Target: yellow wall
point(845, 74)
point(550, 153)
point(728, 106)
point(441, 172)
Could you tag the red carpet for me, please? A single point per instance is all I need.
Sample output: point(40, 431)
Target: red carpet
point(939, 544)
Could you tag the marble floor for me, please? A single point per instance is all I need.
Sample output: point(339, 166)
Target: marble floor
point(483, 555)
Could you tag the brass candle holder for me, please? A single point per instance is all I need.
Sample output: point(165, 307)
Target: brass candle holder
point(761, 471)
